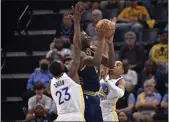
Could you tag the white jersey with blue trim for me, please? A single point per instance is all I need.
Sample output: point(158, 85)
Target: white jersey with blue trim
point(107, 96)
point(67, 95)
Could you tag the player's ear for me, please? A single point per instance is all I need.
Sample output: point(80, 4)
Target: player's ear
point(122, 71)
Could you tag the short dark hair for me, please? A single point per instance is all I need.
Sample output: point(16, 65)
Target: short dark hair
point(38, 86)
point(56, 68)
point(125, 64)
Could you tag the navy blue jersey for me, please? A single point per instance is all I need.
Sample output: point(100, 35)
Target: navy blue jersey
point(89, 78)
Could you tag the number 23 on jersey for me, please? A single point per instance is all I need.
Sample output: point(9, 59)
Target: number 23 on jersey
point(63, 95)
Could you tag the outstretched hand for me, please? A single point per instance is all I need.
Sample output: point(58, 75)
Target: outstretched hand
point(110, 39)
point(77, 13)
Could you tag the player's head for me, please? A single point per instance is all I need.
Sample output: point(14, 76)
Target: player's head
point(117, 70)
point(125, 65)
point(38, 88)
point(57, 68)
point(85, 40)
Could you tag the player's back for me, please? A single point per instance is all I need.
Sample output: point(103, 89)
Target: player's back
point(67, 95)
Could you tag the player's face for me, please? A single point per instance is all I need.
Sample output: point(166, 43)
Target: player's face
point(84, 36)
point(118, 68)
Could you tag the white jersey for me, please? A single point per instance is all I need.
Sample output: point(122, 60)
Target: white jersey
point(67, 95)
point(108, 100)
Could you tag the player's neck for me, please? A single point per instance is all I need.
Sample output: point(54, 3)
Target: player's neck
point(114, 77)
point(59, 75)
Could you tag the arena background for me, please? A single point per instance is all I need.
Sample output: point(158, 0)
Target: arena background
point(26, 40)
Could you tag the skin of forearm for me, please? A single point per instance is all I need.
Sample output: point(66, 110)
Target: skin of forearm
point(98, 54)
point(111, 56)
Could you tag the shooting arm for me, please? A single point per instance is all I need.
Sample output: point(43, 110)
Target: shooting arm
point(110, 60)
point(96, 60)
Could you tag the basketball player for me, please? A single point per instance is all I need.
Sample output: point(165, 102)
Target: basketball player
point(65, 90)
point(89, 77)
point(111, 90)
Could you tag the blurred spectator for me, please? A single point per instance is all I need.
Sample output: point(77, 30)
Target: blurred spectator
point(55, 48)
point(126, 103)
point(132, 17)
point(159, 52)
point(91, 28)
point(53, 112)
point(95, 5)
point(66, 27)
point(111, 4)
point(58, 44)
point(123, 117)
point(164, 106)
point(41, 74)
point(147, 103)
point(133, 52)
point(66, 56)
point(150, 71)
point(130, 77)
point(38, 105)
point(87, 15)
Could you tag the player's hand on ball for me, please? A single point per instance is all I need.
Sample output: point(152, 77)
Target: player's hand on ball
point(110, 39)
point(106, 27)
point(77, 13)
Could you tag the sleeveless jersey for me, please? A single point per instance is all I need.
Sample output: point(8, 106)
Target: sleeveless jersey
point(108, 98)
point(89, 78)
point(67, 95)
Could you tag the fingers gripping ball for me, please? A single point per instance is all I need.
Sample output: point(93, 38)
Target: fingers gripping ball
point(105, 26)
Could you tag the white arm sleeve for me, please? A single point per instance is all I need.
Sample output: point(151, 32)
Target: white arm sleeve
point(116, 90)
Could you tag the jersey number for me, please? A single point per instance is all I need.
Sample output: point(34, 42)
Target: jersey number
point(66, 95)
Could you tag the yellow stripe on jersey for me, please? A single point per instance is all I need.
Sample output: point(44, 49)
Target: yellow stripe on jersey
point(82, 103)
point(114, 108)
point(115, 117)
point(90, 93)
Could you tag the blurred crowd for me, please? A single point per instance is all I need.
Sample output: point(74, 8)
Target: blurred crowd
point(146, 95)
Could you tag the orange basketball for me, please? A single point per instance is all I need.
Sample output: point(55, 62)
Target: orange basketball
point(105, 26)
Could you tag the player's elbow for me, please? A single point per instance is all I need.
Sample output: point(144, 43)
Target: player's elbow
point(120, 93)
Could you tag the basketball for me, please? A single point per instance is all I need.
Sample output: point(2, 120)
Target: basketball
point(105, 26)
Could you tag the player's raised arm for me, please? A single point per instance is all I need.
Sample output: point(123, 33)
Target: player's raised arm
point(74, 65)
point(96, 59)
point(110, 60)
